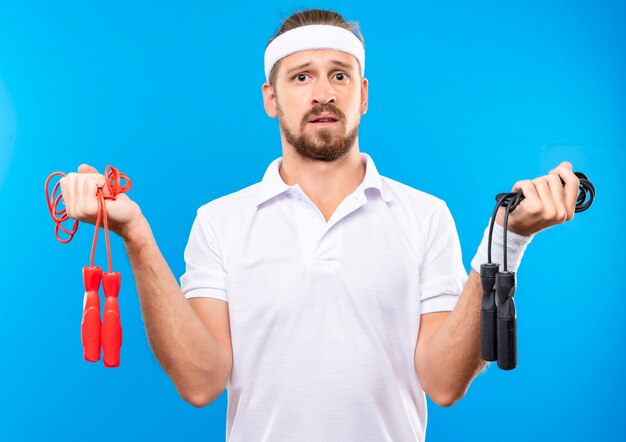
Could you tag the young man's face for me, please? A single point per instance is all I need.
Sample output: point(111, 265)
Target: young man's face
point(319, 97)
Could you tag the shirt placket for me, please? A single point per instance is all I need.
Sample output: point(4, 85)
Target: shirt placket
point(320, 241)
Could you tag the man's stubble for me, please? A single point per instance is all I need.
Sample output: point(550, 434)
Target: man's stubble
point(323, 146)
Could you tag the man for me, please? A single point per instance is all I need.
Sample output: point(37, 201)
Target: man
point(327, 298)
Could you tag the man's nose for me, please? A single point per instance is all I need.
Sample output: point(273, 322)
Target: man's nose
point(324, 92)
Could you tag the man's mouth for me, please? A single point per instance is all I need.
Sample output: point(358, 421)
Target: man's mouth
point(324, 120)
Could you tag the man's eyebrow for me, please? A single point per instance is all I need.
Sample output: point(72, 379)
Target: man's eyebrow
point(342, 64)
point(335, 62)
point(297, 68)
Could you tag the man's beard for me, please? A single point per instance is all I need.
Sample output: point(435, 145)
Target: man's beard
point(327, 147)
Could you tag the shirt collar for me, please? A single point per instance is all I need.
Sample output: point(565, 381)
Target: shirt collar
point(273, 185)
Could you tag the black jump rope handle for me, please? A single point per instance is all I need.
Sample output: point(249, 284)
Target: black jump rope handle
point(488, 343)
point(498, 322)
point(507, 323)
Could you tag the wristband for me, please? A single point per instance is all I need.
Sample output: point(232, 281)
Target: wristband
point(516, 245)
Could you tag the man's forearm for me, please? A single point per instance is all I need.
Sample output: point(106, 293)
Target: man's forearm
point(451, 358)
point(186, 350)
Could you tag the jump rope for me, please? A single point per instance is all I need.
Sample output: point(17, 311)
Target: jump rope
point(498, 322)
point(95, 334)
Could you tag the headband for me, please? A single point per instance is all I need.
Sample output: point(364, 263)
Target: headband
point(309, 37)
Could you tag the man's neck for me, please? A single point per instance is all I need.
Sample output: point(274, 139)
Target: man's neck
point(326, 183)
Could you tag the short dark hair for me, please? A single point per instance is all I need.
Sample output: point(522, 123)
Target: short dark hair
point(312, 17)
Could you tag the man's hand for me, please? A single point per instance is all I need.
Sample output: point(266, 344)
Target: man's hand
point(80, 198)
point(546, 201)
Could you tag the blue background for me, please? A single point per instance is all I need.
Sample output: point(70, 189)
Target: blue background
point(465, 99)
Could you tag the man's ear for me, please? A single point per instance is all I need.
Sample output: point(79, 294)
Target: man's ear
point(269, 100)
point(364, 97)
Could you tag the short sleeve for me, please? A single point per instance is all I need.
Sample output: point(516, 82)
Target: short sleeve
point(205, 276)
point(442, 275)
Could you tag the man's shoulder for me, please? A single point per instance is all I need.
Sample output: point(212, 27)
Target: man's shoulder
point(232, 203)
point(406, 194)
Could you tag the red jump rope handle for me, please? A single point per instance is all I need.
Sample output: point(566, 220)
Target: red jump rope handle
point(111, 325)
point(90, 325)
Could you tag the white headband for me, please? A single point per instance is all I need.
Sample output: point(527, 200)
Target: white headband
point(309, 37)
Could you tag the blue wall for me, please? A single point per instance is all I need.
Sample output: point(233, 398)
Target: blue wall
point(465, 99)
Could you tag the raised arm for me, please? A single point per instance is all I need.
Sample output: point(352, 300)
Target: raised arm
point(447, 352)
point(190, 339)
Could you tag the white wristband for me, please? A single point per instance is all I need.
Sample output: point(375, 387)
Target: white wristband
point(515, 246)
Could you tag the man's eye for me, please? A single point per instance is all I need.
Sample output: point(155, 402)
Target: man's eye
point(341, 76)
point(300, 77)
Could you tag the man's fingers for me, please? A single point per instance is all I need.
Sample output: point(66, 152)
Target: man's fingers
point(87, 190)
point(566, 164)
point(547, 200)
point(572, 183)
point(532, 203)
point(65, 185)
point(79, 191)
point(86, 168)
point(558, 196)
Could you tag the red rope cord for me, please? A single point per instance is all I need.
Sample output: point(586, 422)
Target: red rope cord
point(113, 179)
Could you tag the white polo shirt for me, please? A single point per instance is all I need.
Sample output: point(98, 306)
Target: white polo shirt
point(324, 316)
